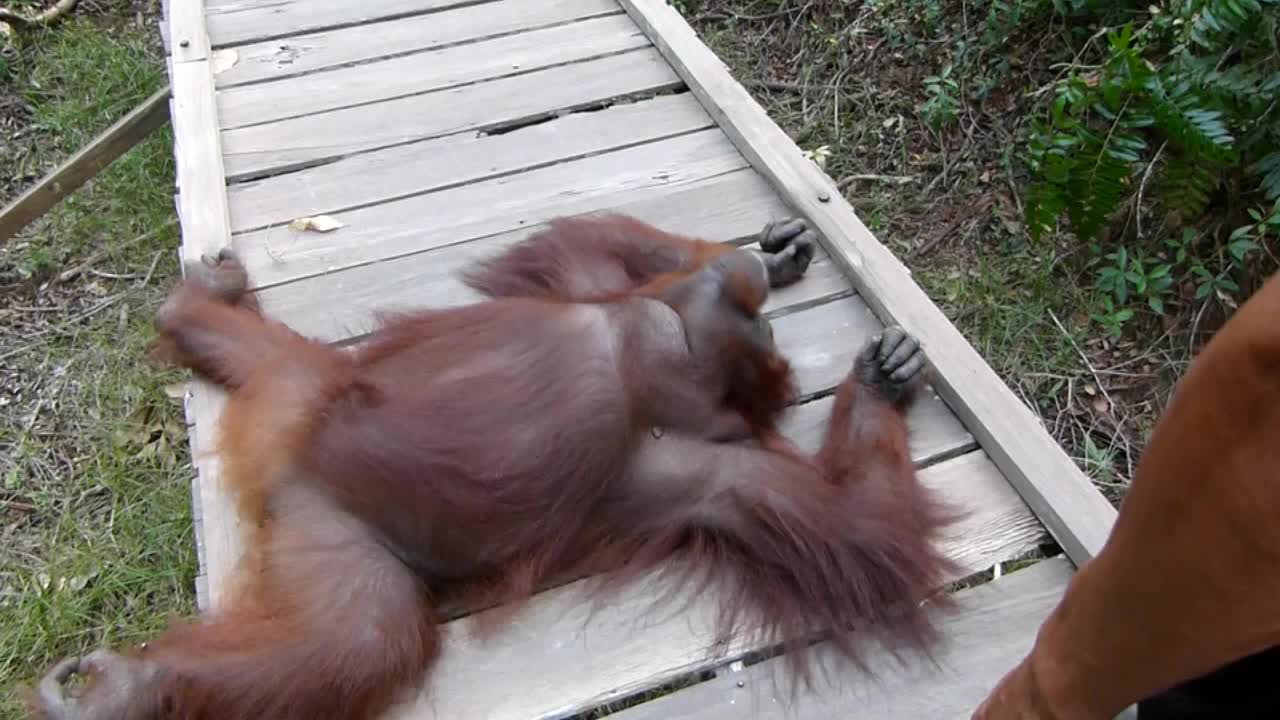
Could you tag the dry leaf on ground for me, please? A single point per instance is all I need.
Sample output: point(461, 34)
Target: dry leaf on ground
point(318, 223)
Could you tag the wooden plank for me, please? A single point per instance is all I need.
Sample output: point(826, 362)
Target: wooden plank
point(187, 31)
point(206, 229)
point(290, 144)
point(991, 630)
point(933, 430)
point(300, 54)
point(340, 305)
point(88, 161)
point(241, 21)
point(406, 170)
point(422, 222)
point(506, 56)
point(202, 202)
point(588, 655)
point(1077, 514)
point(821, 342)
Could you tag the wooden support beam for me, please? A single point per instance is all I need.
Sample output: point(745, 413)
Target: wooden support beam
point(1073, 510)
point(85, 164)
point(206, 229)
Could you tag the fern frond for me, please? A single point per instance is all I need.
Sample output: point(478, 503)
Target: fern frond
point(1268, 172)
point(1187, 182)
point(1045, 203)
point(1097, 187)
point(1238, 85)
point(1188, 120)
point(1214, 18)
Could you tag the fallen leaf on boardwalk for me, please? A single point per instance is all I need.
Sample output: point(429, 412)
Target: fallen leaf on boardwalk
point(319, 223)
point(224, 60)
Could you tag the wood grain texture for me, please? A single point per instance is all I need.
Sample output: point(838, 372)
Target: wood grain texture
point(583, 660)
point(187, 31)
point(423, 222)
point(89, 160)
point(341, 305)
point(240, 21)
point(301, 54)
point(399, 172)
point(1079, 517)
point(419, 73)
point(290, 144)
point(993, 627)
point(205, 229)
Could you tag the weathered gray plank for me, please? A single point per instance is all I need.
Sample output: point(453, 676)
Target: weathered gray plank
point(583, 659)
point(299, 54)
point(993, 627)
point(205, 229)
point(187, 31)
point(821, 342)
point(426, 72)
point(399, 172)
point(1062, 496)
point(334, 306)
point(241, 21)
point(933, 430)
point(287, 144)
point(423, 222)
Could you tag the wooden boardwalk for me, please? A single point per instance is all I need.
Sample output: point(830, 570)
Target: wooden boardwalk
point(440, 131)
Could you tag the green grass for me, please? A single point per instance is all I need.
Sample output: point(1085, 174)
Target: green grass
point(95, 498)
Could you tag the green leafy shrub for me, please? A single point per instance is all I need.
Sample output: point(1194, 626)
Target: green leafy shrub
point(1192, 90)
point(1176, 113)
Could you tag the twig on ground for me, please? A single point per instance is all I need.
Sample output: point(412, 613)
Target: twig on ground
point(891, 179)
point(719, 15)
point(71, 273)
point(1084, 358)
point(1142, 186)
point(151, 270)
point(18, 505)
point(788, 86)
point(981, 206)
point(1195, 328)
point(47, 17)
point(63, 328)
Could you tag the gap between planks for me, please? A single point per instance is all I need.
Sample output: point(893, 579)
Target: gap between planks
point(432, 71)
point(319, 51)
point(288, 145)
point(590, 655)
point(276, 255)
point(992, 628)
point(384, 176)
point(242, 21)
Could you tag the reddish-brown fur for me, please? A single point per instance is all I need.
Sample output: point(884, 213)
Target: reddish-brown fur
point(509, 442)
point(1189, 579)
